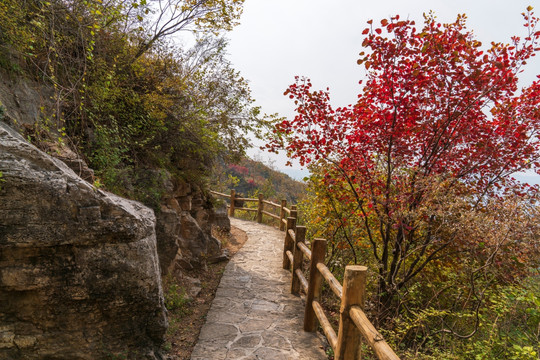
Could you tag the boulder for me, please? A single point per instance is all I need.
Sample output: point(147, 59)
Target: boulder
point(195, 243)
point(219, 217)
point(79, 271)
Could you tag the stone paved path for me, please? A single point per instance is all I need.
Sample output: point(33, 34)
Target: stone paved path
point(254, 316)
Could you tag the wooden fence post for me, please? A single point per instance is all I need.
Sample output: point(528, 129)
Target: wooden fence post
point(354, 286)
point(298, 257)
point(260, 208)
point(231, 207)
point(288, 243)
point(294, 212)
point(318, 252)
point(282, 215)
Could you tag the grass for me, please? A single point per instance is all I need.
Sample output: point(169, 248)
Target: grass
point(176, 299)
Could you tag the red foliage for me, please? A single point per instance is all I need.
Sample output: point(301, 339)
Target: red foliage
point(434, 102)
point(242, 170)
point(438, 117)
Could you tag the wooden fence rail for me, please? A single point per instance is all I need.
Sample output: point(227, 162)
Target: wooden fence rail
point(353, 322)
point(235, 202)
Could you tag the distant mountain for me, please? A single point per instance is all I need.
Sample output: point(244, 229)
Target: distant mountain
point(250, 178)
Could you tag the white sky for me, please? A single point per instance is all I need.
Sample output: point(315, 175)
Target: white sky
point(279, 39)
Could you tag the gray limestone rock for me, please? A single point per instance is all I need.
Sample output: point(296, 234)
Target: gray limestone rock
point(184, 233)
point(168, 236)
point(220, 217)
point(79, 272)
point(196, 242)
point(23, 98)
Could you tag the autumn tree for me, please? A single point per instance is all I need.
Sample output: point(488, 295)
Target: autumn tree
point(435, 136)
point(173, 16)
point(136, 105)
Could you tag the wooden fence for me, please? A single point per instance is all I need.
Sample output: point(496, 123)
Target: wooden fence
point(353, 323)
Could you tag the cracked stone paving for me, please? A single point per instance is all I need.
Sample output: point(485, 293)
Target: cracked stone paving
point(254, 316)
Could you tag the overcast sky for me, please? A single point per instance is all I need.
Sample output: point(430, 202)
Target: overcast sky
point(279, 39)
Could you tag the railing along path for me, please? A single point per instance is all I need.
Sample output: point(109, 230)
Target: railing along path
point(353, 322)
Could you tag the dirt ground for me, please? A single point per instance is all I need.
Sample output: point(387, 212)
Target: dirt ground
point(187, 314)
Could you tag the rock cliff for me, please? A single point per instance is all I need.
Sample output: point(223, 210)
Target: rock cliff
point(186, 217)
point(79, 271)
point(184, 225)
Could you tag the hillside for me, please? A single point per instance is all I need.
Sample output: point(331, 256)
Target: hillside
point(250, 177)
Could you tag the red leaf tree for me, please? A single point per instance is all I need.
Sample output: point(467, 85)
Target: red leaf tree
point(438, 116)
